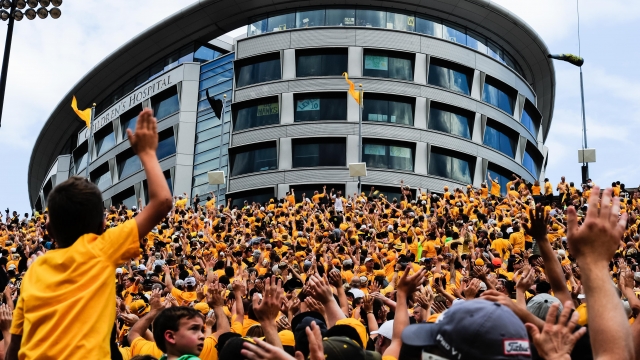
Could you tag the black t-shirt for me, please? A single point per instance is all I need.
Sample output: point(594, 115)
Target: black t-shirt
point(336, 220)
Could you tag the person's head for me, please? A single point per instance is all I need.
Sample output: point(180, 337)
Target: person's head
point(385, 333)
point(417, 314)
point(75, 208)
point(179, 331)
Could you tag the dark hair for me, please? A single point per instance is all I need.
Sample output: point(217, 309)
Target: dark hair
point(75, 208)
point(169, 319)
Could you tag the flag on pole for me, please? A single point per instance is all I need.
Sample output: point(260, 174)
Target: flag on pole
point(85, 114)
point(352, 88)
point(216, 105)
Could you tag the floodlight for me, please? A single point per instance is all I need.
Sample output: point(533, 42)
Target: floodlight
point(4, 15)
point(55, 13)
point(21, 4)
point(32, 3)
point(44, 3)
point(18, 15)
point(30, 14)
point(56, 2)
point(43, 13)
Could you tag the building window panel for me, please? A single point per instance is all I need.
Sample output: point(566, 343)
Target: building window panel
point(251, 114)
point(455, 34)
point(388, 64)
point(312, 152)
point(127, 163)
point(207, 144)
point(166, 144)
point(208, 134)
point(496, 137)
point(388, 156)
point(254, 158)
point(530, 164)
point(529, 122)
point(126, 197)
point(281, 22)
point(216, 79)
point(257, 70)
point(101, 177)
point(325, 106)
point(477, 42)
point(340, 17)
point(430, 27)
point(104, 140)
point(206, 156)
point(450, 76)
point(310, 18)
point(206, 167)
point(451, 165)
point(371, 18)
point(388, 108)
point(499, 95)
point(166, 103)
point(450, 120)
point(80, 157)
point(401, 22)
point(325, 62)
point(129, 119)
point(258, 196)
point(500, 174)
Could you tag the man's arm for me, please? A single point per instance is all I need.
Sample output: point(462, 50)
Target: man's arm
point(322, 292)
point(167, 278)
point(144, 143)
point(216, 302)
point(593, 245)
point(406, 286)
point(141, 326)
point(552, 268)
point(267, 310)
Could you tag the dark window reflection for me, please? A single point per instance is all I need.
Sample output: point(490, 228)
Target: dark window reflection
point(389, 64)
point(388, 108)
point(166, 103)
point(450, 76)
point(261, 112)
point(254, 158)
point(495, 136)
point(499, 95)
point(325, 62)
point(449, 164)
point(397, 156)
point(313, 152)
point(258, 69)
point(323, 106)
point(450, 120)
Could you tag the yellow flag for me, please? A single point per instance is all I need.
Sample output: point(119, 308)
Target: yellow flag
point(85, 114)
point(352, 88)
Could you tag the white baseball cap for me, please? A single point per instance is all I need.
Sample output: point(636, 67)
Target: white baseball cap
point(386, 330)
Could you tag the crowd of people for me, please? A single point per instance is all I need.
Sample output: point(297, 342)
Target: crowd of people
point(471, 273)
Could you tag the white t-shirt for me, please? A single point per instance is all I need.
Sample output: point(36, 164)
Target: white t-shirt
point(338, 203)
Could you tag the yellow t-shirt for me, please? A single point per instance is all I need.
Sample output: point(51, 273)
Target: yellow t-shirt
point(73, 289)
point(495, 188)
point(184, 296)
point(142, 346)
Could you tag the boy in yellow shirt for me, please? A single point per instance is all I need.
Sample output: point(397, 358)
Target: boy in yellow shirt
point(71, 287)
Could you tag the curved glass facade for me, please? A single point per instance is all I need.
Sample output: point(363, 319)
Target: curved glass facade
point(313, 152)
point(258, 69)
point(388, 108)
point(448, 164)
point(497, 138)
point(381, 18)
point(499, 95)
point(450, 76)
point(398, 156)
point(254, 158)
point(450, 120)
point(528, 122)
point(388, 64)
point(320, 106)
point(255, 113)
point(321, 62)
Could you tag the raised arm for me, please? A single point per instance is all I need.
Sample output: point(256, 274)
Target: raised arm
point(593, 245)
point(144, 143)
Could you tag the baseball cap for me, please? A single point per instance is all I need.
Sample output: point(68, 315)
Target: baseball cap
point(481, 330)
point(368, 259)
point(539, 305)
point(347, 262)
point(202, 307)
point(139, 307)
point(386, 330)
point(142, 268)
point(256, 253)
point(355, 324)
point(636, 276)
point(343, 348)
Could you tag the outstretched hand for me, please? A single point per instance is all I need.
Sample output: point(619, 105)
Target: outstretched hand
point(557, 339)
point(597, 240)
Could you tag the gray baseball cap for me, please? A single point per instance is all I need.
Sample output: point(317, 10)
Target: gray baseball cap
point(539, 305)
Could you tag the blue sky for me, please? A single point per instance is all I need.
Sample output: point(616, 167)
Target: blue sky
point(49, 56)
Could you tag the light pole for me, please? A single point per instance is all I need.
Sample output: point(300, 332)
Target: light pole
point(15, 14)
point(578, 61)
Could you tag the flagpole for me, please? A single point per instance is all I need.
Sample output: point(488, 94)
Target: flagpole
point(224, 105)
point(360, 105)
point(90, 142)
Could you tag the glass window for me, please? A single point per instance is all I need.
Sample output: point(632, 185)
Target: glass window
point(256, 28)
point(324, 62)
point(429, 27)
point(454, 33)
point(260, 112)
point(216, 79)
point(105, 140)
point(166, 144)
point(208, 124)
point(496, 173)
point(128, 163)
point(340, 17)
point(126, 197)
point(388, 108)
point(529, 163)
point(476, 41)
point(166, 103)
point(529, 123)
point(204, 54)
point(387, 64)
point(258, 69)
point(494, 51)
point(451, 165)
point(129, 119)
point(324, 106)
point(386, 156)
point(371, 18)
point(254, 158)
point(206, 167)
point(208, 71)
point(258, 196)
point(450, 120)
point(314, 152)
point(401, 22)
point(450, 76)
point(496, 137)
point(80, 157)
point(102, 177)
point(206, 156)
point(281, 22)
point(310, 18)
point(207, 144)
point(496, 94)
point(208, 134)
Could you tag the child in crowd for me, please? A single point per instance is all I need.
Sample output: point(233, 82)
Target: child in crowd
point(179, 333)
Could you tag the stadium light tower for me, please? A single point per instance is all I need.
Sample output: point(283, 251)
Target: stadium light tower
point(15, 13)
